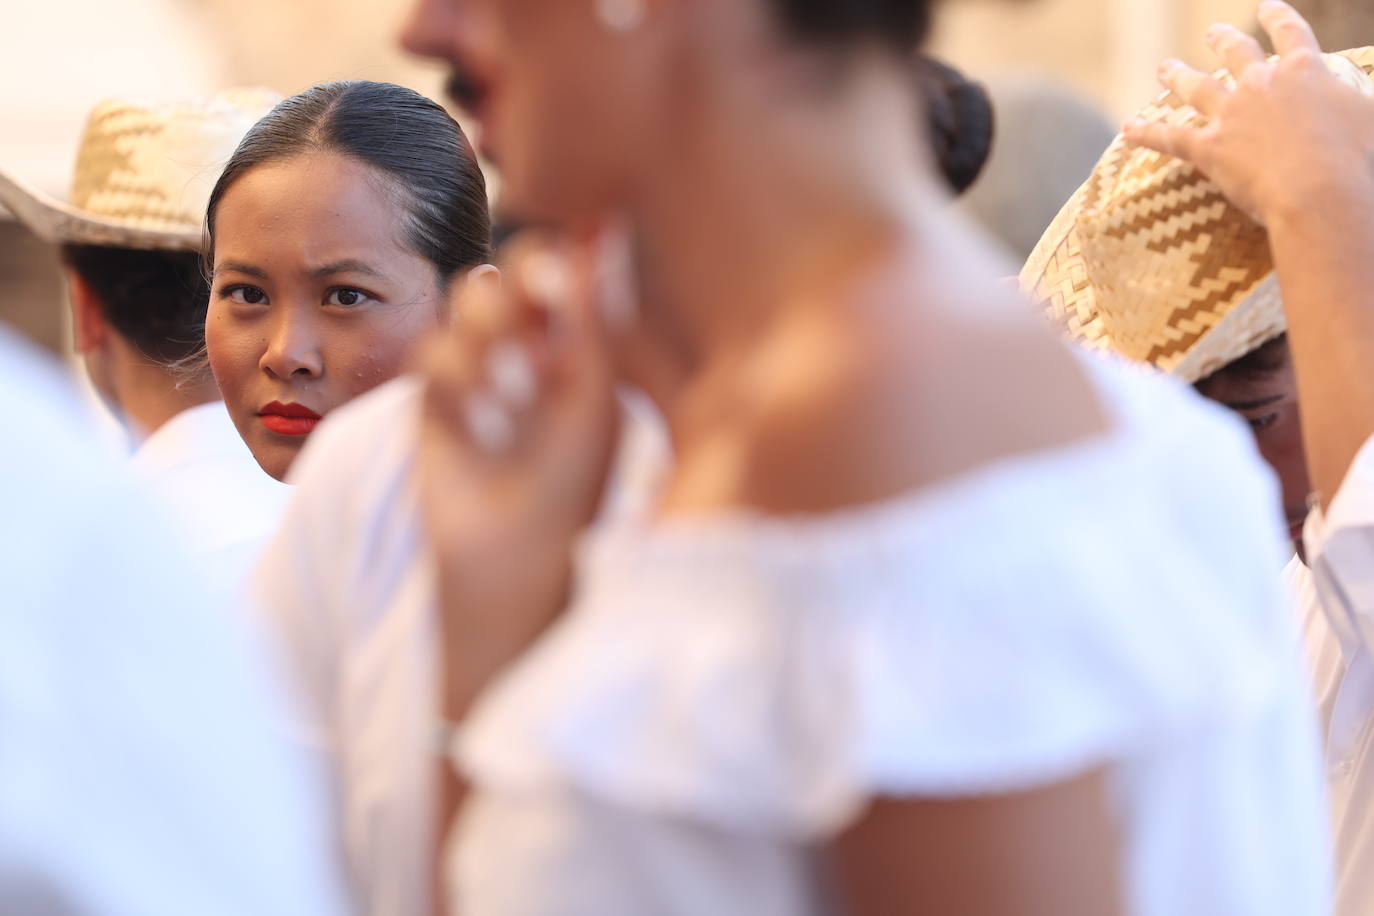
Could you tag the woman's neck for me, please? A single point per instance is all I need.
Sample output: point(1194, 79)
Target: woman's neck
point(776, 204)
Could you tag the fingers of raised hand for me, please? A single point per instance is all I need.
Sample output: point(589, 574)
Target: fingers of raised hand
point(483, 380)
point(1172, 140)
point(612, 276)
point(1238, 51)
point(441, 363)
point(1203, 92)
point(1289, 31)
point(482, 392)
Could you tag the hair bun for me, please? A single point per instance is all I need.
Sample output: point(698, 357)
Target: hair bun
point(959, 117)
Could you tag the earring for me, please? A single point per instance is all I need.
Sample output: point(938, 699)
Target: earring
point(621, 15)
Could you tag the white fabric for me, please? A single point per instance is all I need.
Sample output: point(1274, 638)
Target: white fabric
point(1321, 649)
point(1340, 544)
point(138, 771)
point(350, 586)
point(726, 694)
point(225, 506)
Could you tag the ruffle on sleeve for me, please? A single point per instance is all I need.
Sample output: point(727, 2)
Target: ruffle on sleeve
point(1010, 630)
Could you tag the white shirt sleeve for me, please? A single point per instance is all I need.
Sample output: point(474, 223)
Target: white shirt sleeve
point(1340, 548)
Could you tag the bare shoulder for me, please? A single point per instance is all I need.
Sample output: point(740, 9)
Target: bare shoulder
point(835, 414)
point(1053, 850)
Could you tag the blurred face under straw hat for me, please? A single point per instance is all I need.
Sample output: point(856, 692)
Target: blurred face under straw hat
point(1149, 260)
point(143, 173)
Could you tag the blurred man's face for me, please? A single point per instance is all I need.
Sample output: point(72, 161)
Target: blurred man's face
point(1269, 403)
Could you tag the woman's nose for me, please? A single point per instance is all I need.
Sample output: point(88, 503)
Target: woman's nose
point(293, 351)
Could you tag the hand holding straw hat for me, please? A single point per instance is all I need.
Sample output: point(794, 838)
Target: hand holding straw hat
point(143, 172)
point(1264, 142)
point(1295, 147)
point(1151, 258)
point(1291, 142)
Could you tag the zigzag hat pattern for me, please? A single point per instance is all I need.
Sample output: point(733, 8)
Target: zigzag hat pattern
point(1150, 260)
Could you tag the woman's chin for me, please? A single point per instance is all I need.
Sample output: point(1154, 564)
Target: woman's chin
point(276, 458)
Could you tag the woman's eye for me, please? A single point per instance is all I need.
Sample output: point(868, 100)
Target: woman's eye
point(246, 295)
point(1259, 424)
point(346, 297)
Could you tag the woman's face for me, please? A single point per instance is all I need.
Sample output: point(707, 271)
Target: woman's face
point(314, 299)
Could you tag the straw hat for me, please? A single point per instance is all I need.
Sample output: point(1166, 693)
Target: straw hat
point(143, 172)
point(1150, 260)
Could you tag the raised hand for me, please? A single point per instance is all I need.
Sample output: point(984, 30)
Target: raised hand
point(518, 431)
point(1282, 134)
point(1291, 140)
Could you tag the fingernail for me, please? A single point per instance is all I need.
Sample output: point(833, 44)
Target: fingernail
point(546, 277)
point(615, 277)
point(511, 375)
point(1167, 65)
point(489, 424)
point(1213, 34)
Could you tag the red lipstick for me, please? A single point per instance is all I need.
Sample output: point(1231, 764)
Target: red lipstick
point(288, 419)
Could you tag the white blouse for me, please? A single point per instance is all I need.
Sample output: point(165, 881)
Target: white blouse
point(727, 694)
point(348, 586)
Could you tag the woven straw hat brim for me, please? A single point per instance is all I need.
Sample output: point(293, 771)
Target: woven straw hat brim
point(1215, 296)
point(60, 223)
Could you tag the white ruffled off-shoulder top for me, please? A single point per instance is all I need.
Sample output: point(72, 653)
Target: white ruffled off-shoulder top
point(727, 694)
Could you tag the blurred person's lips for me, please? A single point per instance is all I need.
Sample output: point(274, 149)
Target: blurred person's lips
point(471, 90)
point(466, 90)
point(288, 419)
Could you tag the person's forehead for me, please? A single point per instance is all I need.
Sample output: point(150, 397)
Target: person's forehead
point(330, 210)
point(1234, 387)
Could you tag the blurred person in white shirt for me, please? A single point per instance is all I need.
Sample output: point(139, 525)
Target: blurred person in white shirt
point(140, 771)
point(130, 237)
point(349, 580)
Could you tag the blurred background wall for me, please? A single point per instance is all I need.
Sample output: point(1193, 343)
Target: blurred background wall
point(1066, 70)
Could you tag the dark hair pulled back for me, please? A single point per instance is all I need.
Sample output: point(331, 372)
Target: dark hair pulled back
point(899, 24)
point(155, 299)
point(960, 119)
point(409, 139)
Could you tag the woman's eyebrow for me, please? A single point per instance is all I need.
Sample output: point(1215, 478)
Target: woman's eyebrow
point(242, 268)
point(345, 266)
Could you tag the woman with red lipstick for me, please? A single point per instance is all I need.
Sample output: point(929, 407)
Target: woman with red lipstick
point(898, 636)
point(335, 232)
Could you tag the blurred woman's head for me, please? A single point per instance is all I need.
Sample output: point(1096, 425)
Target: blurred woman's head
point(335, 231)
point(579, 99)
